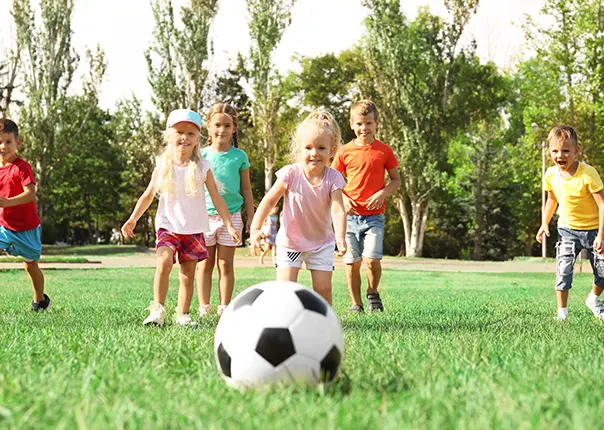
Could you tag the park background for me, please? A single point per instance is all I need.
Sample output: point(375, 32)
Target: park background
point(468, 131)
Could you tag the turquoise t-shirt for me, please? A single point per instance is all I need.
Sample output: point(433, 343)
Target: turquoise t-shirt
point(226, 167)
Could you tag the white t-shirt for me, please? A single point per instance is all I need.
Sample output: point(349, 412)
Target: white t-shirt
point(182, 213)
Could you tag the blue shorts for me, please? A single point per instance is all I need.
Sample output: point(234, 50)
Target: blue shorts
point(569, 245)
point(26, 244)
point(364, 237)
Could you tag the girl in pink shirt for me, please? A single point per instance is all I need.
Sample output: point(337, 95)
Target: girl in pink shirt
point(312, 201)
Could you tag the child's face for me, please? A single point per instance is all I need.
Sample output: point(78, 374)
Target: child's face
point(185, 137)
point(364, 126)
point(221, 128)
point(315, 150)
point(9, 143)
point(564, 153)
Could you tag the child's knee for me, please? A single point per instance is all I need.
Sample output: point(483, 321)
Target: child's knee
point(373, 264)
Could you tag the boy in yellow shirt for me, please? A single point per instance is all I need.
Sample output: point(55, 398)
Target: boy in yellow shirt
point(578, 190)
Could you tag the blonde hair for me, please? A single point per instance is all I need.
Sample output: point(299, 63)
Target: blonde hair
point(319, 122)
point(165, 180)
point(563, 133)
point(227, 110)
point(364, 107)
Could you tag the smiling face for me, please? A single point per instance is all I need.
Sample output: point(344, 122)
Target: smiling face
point(364, 127)
point(315, 149)
point(221, 129)
point(184, 136)
point(9, 143)
point(564, 153)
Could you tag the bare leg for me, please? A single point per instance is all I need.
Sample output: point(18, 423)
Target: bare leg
point(287, 274)
point(562, 298)
point(321, 283)
point(187, 279)
point(204, 276)
point(37, 279)
point(353, 275)
point(263, 253)
point(226, 272)
point(161, 282)
point(374, 274)
point(596, 290)
point(274, 253)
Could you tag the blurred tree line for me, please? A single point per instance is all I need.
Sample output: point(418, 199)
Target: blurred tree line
point(467, 134)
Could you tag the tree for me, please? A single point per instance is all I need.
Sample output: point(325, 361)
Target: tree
point(177, 58)
point(48, 64)
point(9, 67)
point(412, 72)
point(268, 21)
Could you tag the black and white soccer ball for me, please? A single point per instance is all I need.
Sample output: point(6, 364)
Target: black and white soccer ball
point(278, 332)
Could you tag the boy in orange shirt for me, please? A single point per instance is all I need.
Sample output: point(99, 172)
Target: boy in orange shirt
point(364, 163)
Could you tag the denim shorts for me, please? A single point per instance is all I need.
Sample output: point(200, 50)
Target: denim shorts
point(364, 237)
point(569, 245)
point(26, 244)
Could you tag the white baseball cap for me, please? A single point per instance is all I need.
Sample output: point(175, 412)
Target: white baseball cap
point(183, 115)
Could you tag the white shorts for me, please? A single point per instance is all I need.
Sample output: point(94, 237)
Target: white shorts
point(319, 259)
point(219, 233)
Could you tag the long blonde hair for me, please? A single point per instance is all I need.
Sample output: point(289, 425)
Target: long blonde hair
point(319, 122)
point(165, 180)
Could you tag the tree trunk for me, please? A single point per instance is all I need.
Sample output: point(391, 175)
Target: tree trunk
point(414, 226)
point(478, 251)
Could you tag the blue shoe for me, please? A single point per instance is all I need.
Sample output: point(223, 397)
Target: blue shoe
point(41, 305)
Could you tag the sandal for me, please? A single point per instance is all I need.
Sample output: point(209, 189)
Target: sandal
point(356, 309)
point(375, 303)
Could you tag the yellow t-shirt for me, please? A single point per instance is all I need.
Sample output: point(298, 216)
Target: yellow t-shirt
point(577, 208)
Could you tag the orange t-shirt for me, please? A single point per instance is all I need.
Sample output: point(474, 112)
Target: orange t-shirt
point(364, 168)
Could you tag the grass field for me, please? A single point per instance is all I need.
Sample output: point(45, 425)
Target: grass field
point(453, 350)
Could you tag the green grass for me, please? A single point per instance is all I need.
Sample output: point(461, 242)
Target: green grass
point(45, 259)
point(93, 250)
point(453, 350)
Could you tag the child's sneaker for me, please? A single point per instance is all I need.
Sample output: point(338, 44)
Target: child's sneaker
point(204, 310)
point(374, 302)
point(220, 309)
point(596, 306)
point(41, 305)
point(184, 319)
point(157, 314)
point(561, 318)
point(356, 309)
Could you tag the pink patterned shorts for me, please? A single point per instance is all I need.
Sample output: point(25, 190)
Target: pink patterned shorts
point(188, 246)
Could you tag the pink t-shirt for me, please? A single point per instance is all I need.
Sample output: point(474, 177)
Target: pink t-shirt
point(306, 216)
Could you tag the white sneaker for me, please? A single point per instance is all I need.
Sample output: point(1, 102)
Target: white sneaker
point(560, 318)
point(157, 314)
point(204, 310)
point(184, 319)
point(220, 309)
point(596, 306)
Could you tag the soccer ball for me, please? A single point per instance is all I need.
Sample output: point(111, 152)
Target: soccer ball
point(278, 332)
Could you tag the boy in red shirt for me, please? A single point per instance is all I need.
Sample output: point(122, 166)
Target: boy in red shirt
point(19, 221)
point(364, 163)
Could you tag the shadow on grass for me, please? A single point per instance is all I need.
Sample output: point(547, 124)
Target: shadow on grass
point(98, 250)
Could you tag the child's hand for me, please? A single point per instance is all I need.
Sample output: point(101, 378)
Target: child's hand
point(376, 201)
point(128, 228)
point(599, 244)
point(234, 234)
point(255, 237)
point(350, 210)
point(341, 244)
point(543, 230)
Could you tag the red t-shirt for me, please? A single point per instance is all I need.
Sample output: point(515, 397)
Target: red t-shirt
point(364, 168)
point(14, 177)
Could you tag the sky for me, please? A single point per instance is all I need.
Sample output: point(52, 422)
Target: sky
point(123, 29)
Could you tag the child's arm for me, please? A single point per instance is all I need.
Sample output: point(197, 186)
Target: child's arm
point(27, 196)
point(599, 242)
point(142, 205)
point(221, 206)
point(546, 216)
point(377, 200)
point(248, 198)
point(338, 216)
point(264, 208)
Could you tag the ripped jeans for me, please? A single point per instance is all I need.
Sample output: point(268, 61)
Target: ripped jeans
point(569, 245)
